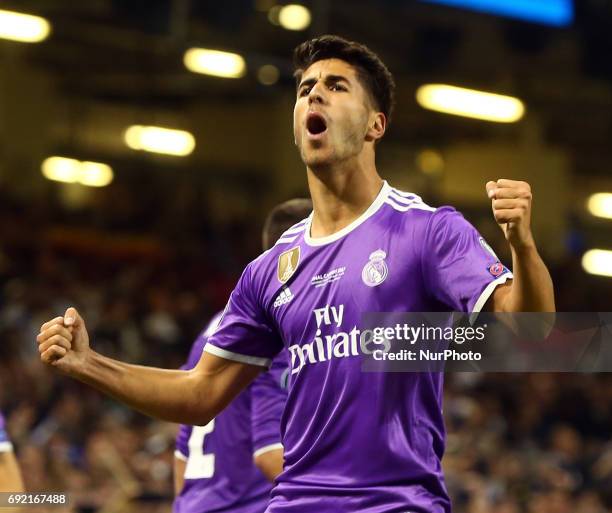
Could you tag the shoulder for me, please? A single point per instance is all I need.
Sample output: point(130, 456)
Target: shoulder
point(447, 220)
point(407, 202)
point(410, 209)
point(412, 204)
point(407, 211)
point(267, 262)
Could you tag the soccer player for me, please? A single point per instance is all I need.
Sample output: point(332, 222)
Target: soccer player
point(354, 441)
point(10, 476)
point(228, 464)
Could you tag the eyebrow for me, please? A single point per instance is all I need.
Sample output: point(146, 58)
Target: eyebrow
point(329, 79)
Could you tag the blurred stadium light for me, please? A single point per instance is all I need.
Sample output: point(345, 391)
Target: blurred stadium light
point(23, 27)
point(61, 169)
point(598, 261)
point(95, 174)
point(551, 12)
point(156, 139)
point(268, 74)
point(67, 170)
point(215, 63)
point(470, 103)
point(600, 204)
point(430, 162)
point(294, 17)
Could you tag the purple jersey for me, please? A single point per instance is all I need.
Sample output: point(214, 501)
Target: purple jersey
point(220, 475)
point(356, 441)
point(5, 443)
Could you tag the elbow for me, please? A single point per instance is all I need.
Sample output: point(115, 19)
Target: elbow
point(270, 463)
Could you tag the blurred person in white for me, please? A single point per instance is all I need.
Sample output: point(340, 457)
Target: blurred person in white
point(10, 475)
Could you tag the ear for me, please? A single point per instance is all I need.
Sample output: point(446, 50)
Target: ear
point(376, 127)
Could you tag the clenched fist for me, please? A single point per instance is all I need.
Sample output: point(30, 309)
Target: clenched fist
point(511, 203)
point(63, 342)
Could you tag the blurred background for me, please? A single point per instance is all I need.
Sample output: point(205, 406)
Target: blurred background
point(137, 163)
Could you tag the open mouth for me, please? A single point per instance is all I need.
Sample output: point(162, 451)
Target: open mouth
point(315, 123)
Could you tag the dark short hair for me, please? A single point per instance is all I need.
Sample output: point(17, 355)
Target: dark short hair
point(372, 72)
point(282, 217)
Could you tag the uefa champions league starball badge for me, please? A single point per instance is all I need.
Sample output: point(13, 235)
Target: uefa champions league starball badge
point(376, 270)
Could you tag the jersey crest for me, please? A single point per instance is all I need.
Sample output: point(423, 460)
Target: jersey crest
point(288, 262)
point(376, 270)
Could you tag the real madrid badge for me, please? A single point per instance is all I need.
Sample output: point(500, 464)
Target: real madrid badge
point(376, 270)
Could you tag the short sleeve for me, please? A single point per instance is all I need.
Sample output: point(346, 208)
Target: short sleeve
point(245, 332)
point(182, 442)
point(267, 405)
point(460, 268)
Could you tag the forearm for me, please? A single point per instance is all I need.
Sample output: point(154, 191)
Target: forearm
point(172, 395)
point(532, 287)
point(186, 397)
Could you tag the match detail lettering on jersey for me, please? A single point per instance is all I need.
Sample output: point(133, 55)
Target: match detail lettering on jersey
point(318, 280)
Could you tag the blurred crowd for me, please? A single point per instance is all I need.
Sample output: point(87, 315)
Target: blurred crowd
point(535, 443)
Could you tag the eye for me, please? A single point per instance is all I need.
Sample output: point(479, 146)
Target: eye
point(304, 90)
point(337, 87)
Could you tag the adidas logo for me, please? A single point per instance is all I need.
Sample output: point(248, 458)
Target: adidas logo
point(283, 298)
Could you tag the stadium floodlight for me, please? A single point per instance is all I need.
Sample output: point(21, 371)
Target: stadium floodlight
point(61, 169)
point(24, 28)
point(157, 139)
point(598, 261)
point(215, 63)
point(67, 170)
point(470, 103)
point(294, 17)
point(551, 12)
point(600, 204)
point(95, 174)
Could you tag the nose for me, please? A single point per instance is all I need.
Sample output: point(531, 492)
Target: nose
point(316, 94)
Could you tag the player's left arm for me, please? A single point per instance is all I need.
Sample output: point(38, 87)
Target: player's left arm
point(179, 474)
point(10, 475)
point(181, 454)
point(270, 463)
point(267, 404)
point(531, 290)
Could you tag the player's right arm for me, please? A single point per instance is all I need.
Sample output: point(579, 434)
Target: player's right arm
point(187, 397)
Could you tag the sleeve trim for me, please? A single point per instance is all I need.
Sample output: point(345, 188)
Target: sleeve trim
point(180, 456)
point(486, 293)
point(237, 357)
point(6, 446)
point(267, 448)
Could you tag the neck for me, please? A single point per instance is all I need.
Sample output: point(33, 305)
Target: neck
point(341, 193)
